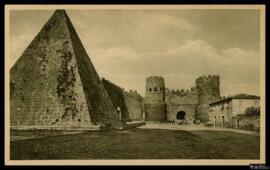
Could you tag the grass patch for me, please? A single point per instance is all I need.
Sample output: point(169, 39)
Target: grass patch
point(137, 144)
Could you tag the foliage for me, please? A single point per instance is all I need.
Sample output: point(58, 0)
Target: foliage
point(252, 111)
point(203, 118)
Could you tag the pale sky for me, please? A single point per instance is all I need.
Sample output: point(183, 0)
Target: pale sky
point(126, 46)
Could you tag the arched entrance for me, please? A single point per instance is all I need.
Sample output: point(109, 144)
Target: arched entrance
point(180, 115)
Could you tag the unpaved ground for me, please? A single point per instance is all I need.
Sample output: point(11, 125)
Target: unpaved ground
point(136, 144)
point(196, 128)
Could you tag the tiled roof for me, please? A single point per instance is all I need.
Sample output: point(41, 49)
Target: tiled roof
point(237, 96)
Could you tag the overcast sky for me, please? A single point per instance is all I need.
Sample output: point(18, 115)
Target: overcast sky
point(126, 46)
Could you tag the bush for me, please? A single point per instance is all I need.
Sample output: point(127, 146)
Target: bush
point(248, 127)
point(252, 111)
point(203, 118)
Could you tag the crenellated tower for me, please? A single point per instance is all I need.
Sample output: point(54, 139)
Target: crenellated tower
point(154, 102)
point(208, 91)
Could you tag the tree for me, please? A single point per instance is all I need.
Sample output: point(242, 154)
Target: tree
point(252, 111)
point(203, 118)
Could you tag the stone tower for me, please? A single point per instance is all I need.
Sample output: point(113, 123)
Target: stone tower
point(208, 90)
point(55, 82)
point(154, 102)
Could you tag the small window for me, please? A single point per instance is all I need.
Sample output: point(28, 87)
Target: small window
point(150, 89)
point(155, 89)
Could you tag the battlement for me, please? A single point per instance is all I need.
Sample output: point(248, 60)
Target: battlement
point(220, 99)
point(155, 81)
point(183, 92)
point(155, 86)
point(207, 78)
point(132, 93)
point(154, 78)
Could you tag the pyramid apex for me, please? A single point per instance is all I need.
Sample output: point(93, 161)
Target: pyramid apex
point(60, 12)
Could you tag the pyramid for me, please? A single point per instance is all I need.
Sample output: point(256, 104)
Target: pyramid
point(55, 82)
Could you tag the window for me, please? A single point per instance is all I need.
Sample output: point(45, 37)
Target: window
point(150, 89)
point(155, 89)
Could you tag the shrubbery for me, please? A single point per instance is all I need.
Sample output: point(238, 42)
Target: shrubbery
point(252, 111)
point(203, 118)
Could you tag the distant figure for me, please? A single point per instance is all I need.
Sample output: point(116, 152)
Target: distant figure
point(119, 112)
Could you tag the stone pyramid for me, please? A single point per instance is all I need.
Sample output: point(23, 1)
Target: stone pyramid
point(54, 81)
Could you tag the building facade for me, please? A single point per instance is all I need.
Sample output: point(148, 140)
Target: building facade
point(231, 111)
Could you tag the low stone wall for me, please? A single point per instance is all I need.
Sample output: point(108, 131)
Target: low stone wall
point(251, 123)
point(246, 123)
point(132, 125)
point(70, 127)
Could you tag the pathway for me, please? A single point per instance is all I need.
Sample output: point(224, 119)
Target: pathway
point(195, 128)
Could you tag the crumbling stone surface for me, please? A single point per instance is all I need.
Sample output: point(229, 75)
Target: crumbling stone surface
point(65, 84)
point(99, 103)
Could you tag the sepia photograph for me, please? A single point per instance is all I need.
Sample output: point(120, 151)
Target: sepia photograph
point(134, 84)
